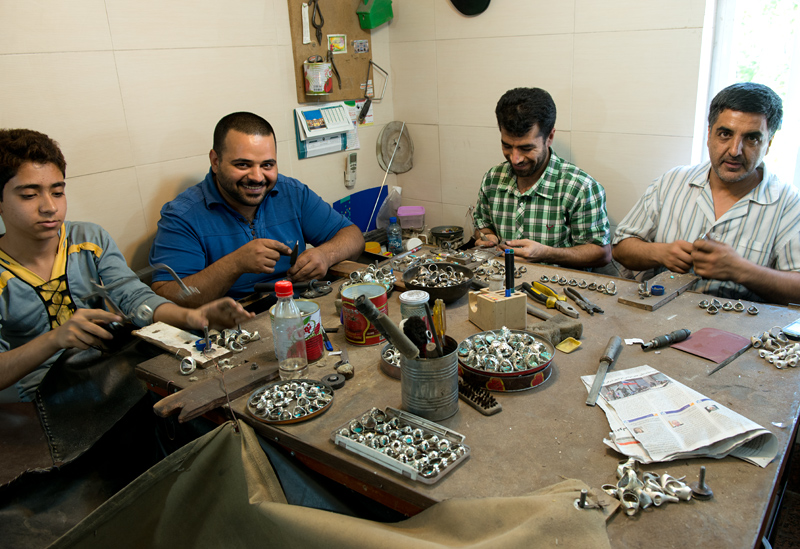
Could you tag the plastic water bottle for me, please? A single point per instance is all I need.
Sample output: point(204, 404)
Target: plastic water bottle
point(288, 334)
point(394, 236)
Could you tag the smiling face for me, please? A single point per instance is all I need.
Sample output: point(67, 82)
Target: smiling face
point(529, 154)
point(33, 203)
point(737, 144)
point(245, 170)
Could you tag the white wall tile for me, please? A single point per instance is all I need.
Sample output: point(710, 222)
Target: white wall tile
point(75, 99)
point(155, 24)
point(473, 74)
point(283, 33)
point(506, 18)
point(631, 15)
point(111, 199)
point(636, 82)
point(413, 21)
point(422, 181)
point(466, 153)
point(625, 164)
point(161, 182)
point(174, 98)
point(414, 71)
point(456, 214)
point(77, 25)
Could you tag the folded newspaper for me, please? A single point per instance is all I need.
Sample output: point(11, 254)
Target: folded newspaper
point(655, 418)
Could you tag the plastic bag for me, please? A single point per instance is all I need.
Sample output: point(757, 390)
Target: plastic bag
point(389, 208)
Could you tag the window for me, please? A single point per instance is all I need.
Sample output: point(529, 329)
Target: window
point(759, 41)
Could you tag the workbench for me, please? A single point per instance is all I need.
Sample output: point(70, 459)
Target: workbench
point(547, 434)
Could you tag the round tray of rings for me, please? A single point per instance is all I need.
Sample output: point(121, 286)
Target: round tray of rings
point(505, 360)
point(290, 401)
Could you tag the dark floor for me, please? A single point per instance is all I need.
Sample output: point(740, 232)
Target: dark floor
point(787, 525)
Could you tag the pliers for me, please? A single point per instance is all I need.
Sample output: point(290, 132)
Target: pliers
point(317, 25)
point(550, 298)
point(584, 304)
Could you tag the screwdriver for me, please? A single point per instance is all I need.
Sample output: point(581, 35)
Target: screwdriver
point(439, 318)
point(668, 339)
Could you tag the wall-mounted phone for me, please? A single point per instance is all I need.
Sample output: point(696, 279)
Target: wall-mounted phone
point(350, 170)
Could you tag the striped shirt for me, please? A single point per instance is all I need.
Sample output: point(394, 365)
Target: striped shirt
point(566, 207)
point(762, 227)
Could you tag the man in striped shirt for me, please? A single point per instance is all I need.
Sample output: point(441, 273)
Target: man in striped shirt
point(546, 209)
point(728, 220)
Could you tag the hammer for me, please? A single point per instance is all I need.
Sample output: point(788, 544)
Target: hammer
point(556, 327)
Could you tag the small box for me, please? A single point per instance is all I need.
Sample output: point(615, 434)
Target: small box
point(411, 217)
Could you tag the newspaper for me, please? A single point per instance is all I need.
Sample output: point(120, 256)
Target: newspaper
point(655, 418)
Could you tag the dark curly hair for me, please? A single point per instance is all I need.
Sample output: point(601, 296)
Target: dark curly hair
point(20, 146)
point(752, 98)
point(521, 108)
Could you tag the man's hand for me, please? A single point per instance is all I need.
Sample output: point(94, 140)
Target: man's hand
point(676, 256)
point(527, 249)
point(311, 264)
point(260, 255)
point(716, 260)
point(219, 314)
point(487, 240)
point(85, 329)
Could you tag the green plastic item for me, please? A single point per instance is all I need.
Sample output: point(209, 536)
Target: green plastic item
point(373, 13)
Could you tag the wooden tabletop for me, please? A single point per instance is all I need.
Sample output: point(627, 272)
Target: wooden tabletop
point(547, 434)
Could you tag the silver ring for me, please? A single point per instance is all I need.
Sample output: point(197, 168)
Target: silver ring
point(753, 310)
point(235, 346)
point(188, 365)
point(704, 304)
point(712, 310)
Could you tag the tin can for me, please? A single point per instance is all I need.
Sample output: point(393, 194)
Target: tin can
point(357, 329)
point(429, 386)
point(412, 303)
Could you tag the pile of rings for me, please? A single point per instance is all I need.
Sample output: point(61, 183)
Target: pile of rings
point(382, 275)
point(775, 348)
point(426, 452)
point(635, 493)
point(289, 401)
point(431, 276)
point(504, 351)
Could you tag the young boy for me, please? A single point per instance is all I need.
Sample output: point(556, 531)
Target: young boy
point(47, 266)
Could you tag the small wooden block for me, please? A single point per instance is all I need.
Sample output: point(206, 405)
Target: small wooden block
point(491, 310)
point(674, 285)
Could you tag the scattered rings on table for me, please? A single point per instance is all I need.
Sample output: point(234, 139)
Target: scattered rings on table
point(235, 346)
point(562, 281)
point(592, 286)
point(738, 307)
point(582, 284)
point(545, 279)
point(704, 304)
point(188, 365)
point(712, 309)
point(573, 282)
point(753, 310)
point(727, 306)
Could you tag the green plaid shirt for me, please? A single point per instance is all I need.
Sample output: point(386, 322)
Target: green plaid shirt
point(566, 207)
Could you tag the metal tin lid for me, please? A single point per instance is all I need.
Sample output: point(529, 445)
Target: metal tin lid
point(414, 297)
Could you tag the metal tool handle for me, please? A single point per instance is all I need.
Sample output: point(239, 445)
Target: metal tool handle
point(668, 339)
point(613, 349)
point(611, 353)
point(387, 328)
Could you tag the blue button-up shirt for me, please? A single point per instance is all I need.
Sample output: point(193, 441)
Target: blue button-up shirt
point(198, 228)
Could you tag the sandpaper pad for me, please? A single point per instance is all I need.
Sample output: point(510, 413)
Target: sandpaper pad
point(713, 344)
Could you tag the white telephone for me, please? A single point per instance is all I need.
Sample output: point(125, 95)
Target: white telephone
point(350, 170)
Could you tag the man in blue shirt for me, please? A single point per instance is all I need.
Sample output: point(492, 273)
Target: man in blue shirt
point(237, 227)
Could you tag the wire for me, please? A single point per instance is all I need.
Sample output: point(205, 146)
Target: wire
point(388, 168)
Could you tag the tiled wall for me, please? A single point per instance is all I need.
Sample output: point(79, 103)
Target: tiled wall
point(132, 91)
point(623, 74)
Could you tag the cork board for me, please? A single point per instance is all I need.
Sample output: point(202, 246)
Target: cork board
point(339, 18)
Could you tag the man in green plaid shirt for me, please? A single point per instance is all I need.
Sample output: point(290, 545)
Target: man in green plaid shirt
point(546, 209)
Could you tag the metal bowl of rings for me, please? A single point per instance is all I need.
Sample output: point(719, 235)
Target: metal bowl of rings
point(445, 281)
point(390, 361)
point(419, 449)
point(505, 360)
point(290, 401)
